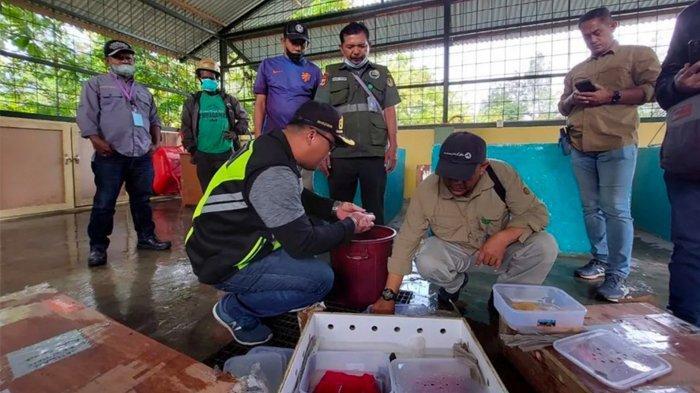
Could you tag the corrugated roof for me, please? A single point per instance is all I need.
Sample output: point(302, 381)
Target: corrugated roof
point(188, 27)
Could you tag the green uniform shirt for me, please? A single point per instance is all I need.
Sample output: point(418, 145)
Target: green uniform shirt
point(213, 123)
point(366, 127)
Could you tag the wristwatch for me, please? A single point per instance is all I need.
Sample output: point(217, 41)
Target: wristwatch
point(616, 97)
point(388, 294)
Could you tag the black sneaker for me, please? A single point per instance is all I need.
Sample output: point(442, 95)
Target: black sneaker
point(152, 243)
point(446, 299)
point(97, 257)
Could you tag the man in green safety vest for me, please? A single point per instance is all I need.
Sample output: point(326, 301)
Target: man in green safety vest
point(251, 235)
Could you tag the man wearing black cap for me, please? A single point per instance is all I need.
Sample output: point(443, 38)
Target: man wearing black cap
point(285, 82)
point(119, 117)
point(251, 235)
point(481, 214)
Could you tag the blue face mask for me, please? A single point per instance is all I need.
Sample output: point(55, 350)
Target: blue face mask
point(210, 85)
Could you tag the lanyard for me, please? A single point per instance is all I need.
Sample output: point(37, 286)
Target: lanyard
point(128, 93)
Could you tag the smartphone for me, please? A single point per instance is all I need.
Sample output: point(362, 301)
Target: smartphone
point(693, 51)
point(585, 86)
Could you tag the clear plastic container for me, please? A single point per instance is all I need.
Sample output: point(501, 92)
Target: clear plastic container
point(408, 310)
point(272, 367)
point(432, 375)
point(535, 308)
point(285, 352)
point(611, 359)
point(349, 362)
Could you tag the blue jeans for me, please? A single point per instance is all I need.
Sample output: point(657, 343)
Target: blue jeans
point(110, 174)
point(274, 285)
point(605, 184)
point(684, 286)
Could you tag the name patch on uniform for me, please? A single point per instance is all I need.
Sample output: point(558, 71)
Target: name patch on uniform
point(339, 79)
point(374, 74)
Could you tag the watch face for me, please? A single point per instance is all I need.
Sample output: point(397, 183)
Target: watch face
point(387, 294)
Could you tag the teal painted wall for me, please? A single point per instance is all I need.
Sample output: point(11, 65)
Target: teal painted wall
point(650, 207)
point(393, 196)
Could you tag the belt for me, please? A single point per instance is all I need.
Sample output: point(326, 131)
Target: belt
point(348, 108)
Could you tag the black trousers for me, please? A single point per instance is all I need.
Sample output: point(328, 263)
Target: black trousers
point(344, 174)
point(207, 165)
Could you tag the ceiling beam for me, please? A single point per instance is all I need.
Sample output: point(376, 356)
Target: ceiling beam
point(177, 15)
point(183, 4)
point(337, 17)
point(55, 11)
point(224, 30)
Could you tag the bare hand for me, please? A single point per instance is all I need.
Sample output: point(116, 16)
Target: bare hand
point(346, 208)
point(363, 221)
point(101, 146)
point(382, 306)
point(602, 96)
point(390, 159)
point(325, 166)
point(492, 251)
point(230, 135)
point(687, 80)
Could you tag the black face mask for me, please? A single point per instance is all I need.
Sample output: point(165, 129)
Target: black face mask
point(295, 57)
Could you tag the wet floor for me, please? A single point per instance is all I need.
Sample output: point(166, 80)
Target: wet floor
point(156, 293)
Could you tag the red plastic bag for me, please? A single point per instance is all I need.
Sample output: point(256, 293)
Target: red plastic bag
point(334, 382)
point(166, 165)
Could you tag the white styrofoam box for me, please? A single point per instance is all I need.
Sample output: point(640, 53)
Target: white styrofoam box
point(351, 362)
point(385, 333)
point(557, 310)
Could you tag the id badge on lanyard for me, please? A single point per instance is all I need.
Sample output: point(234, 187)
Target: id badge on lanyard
point(136, 117)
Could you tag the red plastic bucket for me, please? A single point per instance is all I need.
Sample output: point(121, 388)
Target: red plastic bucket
point(361, 267)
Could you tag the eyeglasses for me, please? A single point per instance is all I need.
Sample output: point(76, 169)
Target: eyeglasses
point(331, 143)
point(123, 56)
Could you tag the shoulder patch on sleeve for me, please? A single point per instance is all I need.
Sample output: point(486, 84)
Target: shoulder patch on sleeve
point(324, 79)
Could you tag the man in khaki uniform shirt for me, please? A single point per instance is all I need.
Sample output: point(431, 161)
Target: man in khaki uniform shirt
point(481, 213)
point(603, 126)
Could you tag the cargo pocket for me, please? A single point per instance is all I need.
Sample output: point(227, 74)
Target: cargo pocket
point(378, 133)
point(339, 93)
point(110, 100)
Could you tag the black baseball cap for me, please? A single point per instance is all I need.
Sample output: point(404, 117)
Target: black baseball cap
point(325, 118)
point(460, 155)
point(296, 31)
point(112, 47)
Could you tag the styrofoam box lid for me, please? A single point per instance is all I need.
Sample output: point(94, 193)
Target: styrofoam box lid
point(612, 359)
point(554, 296)
point(272, 366)
point(432, 375)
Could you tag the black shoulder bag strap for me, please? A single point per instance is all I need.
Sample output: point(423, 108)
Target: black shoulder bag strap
point(497, 185)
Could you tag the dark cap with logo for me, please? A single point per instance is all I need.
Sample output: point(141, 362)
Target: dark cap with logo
point(325, 118)
point(296, 31)
point(112, 47)
point(460, 155)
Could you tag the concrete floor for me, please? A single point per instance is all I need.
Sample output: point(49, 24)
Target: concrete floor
point(156, 293)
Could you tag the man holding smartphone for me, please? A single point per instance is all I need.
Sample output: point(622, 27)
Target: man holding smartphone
point(600, 101)
point(678, 89)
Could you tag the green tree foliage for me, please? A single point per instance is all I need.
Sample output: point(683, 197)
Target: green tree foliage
point(525, 99)
point(320, 7)
point(28, 86)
